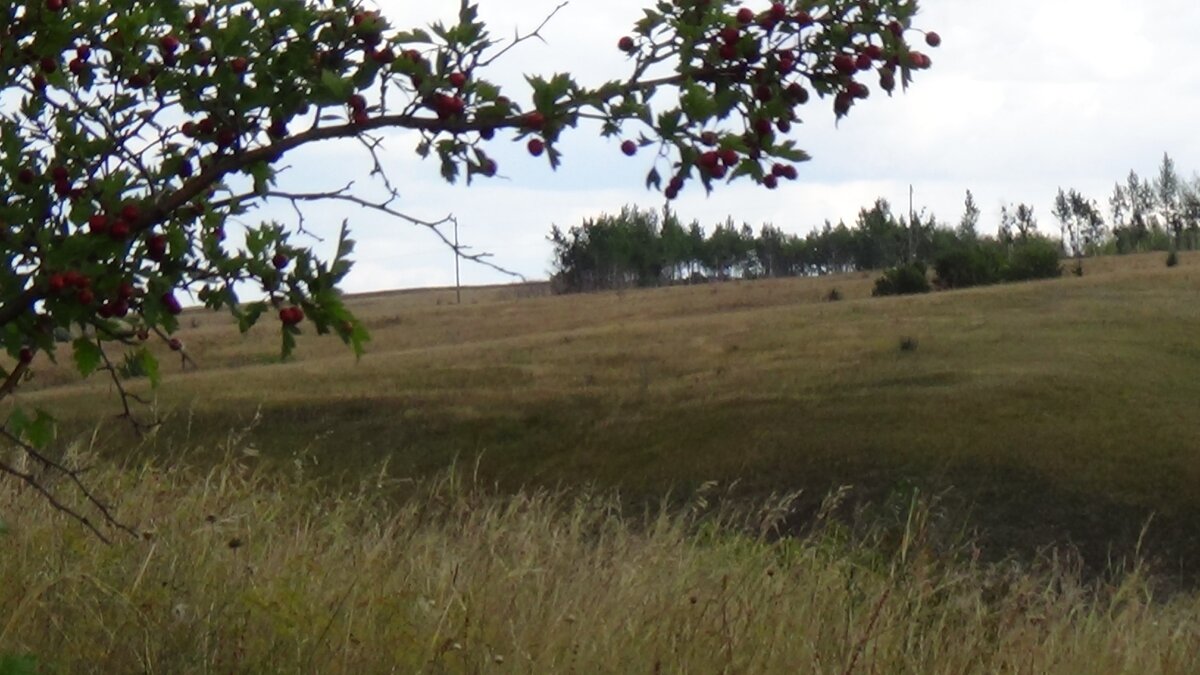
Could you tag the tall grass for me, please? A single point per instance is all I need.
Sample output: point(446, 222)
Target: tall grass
point(245, 569)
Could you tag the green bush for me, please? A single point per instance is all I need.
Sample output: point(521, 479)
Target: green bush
point(975, 265)
point(1033, 258)
point(907, 279)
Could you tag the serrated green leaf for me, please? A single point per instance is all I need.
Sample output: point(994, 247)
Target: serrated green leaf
point(149, 365)
point(87, 356)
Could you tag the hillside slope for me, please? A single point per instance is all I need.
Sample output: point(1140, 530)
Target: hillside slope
point(1058, 411)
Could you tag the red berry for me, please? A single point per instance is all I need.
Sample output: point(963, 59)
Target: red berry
point(778, 11)
point(85, 296)
point(933, 39)
point(845, 64)
point(804, 18)
point(156, 247)
point(290, 316)
point(448, 106)
point(534, 120)
point(896, 28)
point(728, 52)
point(83, 52)
point(874, 51)
point(709, 160)
point(863, 61)
point(25, 176)
point(457, 80)
point(385, 55)
point(76, 66)
point(175, 344)
point(239, 65)
point(360, 117)
point(729, 156)
point(131, 212)
point(125, 290)
point(120, 230)
point(59, 173)
point(745, 15)
point(770, 181)
point(26, 355)
point(55, 5)
point(189, 129)
point(730, 34)
point(626, 44)
point(169, 43)
point(57, 283)
point(171, 303)
point(357, 102)
point(842, 103)
point(49, 64)
point(98, 224)
point(630, 148)
point(536, 147)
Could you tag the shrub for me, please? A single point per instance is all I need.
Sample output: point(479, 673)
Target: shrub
point(975, 265)
point(1172, 258)
point(907, 279)
point(1033, 258)
point(834, 295)
point(908, 344)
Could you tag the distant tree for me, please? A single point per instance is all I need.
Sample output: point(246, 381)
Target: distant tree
point(1007, 232)
point(880, 240)
point(969, 223)
point(1142, 220)
point(1167, 197)
point(1026, 222)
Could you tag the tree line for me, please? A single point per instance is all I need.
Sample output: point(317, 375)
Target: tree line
point(638, 247)
point(642, 247)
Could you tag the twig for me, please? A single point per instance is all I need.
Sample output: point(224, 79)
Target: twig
point(71, 474)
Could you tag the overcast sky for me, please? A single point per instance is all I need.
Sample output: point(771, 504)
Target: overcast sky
point(1024, 96)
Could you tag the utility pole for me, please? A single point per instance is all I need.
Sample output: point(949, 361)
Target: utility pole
point(912, 218)
point(457, 278)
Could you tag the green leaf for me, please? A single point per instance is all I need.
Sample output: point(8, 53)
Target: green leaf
point(87, 356)
point(149, 366)
point(38, 432)
point(337, 88)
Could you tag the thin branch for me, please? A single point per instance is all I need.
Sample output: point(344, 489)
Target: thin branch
point(33, 482)
point(518, 39)
point(71, 474)
point(384, 207)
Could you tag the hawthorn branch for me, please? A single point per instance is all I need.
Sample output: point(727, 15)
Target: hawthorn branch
point(385, 208)
point(73, 475)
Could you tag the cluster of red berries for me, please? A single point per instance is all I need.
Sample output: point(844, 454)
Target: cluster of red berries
point(118, 227)
point(736, 56)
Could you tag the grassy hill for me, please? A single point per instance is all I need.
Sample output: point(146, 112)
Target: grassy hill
point(1060, 411)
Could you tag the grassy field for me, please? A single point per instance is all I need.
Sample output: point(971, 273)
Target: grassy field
point(1050, 420)
point(1059, 411)
point(253, 570)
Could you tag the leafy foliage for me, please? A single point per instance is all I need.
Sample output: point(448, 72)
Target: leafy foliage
point(910, 279)
point(135, 134)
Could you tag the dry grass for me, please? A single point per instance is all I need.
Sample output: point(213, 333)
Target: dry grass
point(251, 570)
point(1059, 411)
